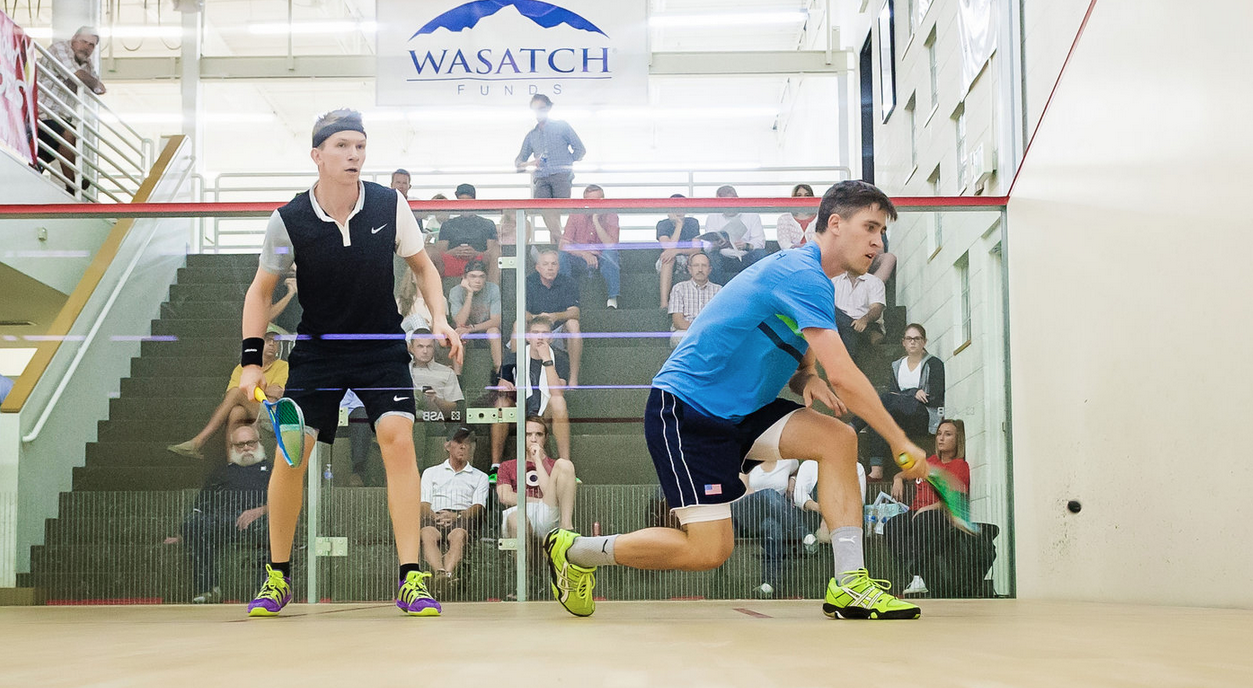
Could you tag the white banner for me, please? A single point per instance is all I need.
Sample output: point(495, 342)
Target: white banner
point(976, 26)
point(496, 52)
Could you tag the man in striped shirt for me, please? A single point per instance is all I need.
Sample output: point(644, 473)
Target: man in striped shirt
point(689, 298)
point(454, 496)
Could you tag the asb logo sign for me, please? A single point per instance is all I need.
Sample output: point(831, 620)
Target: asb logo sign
point(501, 51)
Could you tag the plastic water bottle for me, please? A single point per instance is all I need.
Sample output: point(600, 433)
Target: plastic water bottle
point(870, 524)
point(327, 475)
point(596, 529)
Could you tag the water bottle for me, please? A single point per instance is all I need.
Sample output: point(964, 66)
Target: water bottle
point(596, 529)
point(327, 475)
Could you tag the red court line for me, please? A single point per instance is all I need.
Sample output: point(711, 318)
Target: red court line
point(264, 208)
point(755, 615)
point(1021, 163)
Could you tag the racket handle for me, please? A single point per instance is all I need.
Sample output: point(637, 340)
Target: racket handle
point(258, 394)
point(905, 461)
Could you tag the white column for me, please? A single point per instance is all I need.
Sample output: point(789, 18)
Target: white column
point(189, 81)
point(10, 451)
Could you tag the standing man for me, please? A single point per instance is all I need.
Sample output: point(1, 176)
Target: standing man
point(343, 232)
point(556, 148)
point(714, 411)
point(61, 133)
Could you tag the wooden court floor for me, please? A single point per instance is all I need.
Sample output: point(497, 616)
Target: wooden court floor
point(975, 644)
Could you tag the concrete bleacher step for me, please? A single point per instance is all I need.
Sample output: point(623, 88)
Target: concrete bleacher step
point(138, 478)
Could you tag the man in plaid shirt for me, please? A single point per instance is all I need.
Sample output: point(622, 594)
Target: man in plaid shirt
point(689, 298)
point(57, 129)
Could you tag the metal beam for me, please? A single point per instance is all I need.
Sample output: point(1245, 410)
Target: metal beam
point(781, 62)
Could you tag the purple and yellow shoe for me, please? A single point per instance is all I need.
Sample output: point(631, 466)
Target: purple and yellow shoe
point(274, 595)
point(413, 599)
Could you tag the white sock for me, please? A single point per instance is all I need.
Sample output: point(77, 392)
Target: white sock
point(592, 551)
point(846, 544)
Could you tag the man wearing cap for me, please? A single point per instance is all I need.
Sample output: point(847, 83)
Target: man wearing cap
point(467, 237)
point(454, 496)
point(58, 124)
point(343, 232)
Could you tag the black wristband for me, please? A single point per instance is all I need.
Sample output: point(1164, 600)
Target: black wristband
point(251, 352)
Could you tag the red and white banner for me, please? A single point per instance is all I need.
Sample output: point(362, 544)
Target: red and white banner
point(19, 115)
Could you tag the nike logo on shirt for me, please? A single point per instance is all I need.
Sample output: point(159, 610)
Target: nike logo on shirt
point(376, 230)
point(399, 398)
point(250, 351)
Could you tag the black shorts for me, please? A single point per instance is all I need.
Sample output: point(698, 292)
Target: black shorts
point(699, 458)
point(320, 374)
point(52, 141)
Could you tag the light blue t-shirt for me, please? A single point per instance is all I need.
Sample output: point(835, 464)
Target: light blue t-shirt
point(746, 344)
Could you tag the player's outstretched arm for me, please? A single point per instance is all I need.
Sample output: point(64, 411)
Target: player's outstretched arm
point(432, 289)
point(256, 318)
point(859, 395)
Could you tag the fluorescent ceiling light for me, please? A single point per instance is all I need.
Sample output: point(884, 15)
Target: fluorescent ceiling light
point(177, 118)
point(727, 19)
point(141, 31)
point(307, 28)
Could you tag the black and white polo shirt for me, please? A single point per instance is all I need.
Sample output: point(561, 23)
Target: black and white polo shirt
point(346, 273)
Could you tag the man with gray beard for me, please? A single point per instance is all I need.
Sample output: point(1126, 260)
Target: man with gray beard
point(229, 510)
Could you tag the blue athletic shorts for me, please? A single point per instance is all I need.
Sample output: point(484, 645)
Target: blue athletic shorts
point(699, 458)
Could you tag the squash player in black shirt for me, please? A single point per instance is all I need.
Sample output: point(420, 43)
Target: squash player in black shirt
point(343, 233)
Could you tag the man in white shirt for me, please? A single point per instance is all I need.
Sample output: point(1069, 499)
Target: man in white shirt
point(805, 497)
point(689, 298)
point(454, 496)
point(438, 389)
point(746, 239)
point(766, 513)
point(859, 304)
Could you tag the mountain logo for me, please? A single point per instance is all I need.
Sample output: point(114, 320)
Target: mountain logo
point(544, 14)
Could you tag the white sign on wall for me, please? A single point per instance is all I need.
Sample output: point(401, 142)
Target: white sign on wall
point(451, 53)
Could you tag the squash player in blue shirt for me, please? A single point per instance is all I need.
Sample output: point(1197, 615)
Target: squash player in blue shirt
point(714, 411)
point(343, 233)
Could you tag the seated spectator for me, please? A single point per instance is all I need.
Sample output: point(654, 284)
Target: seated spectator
point(359, 435)
point(918, 537)
point(229, 510)
point(464, 238)
point(547, 368)
point(509, 228)
point(766, 512)
point(236, 408)
point(550, 486)
point(884, 263)
point(742, 241)
point(792, 229)
point(689, 298)
point(588, 243)
point(415, 314)
point(286, 312)
point(805, 497)
point(431, 224)
point(859, 303)
point(474, 306)
point(454, 496)
point(556, 297)
point(436, 385)
point(6, 386)
point(915, 397)
point(677, 235)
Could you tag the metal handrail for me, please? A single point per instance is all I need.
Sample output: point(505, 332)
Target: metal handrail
point(691, 178)
point(94, 137)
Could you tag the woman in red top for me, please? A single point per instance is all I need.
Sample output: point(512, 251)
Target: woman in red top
point(918, 537)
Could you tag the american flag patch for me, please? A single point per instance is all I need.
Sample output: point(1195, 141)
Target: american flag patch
point(713, 489)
